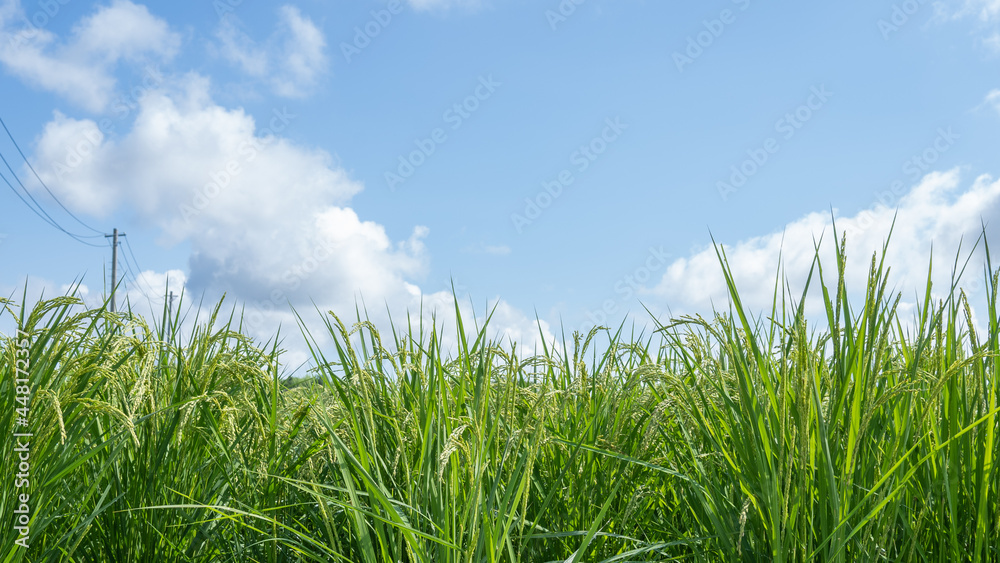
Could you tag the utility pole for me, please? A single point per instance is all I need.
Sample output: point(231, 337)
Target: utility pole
point(114, 264)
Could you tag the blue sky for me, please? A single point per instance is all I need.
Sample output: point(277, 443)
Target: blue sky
point(571, 160)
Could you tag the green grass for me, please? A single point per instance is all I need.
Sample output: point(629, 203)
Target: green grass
point(867, 437)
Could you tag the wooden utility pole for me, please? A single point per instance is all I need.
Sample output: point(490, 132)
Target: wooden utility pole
point(114, 264)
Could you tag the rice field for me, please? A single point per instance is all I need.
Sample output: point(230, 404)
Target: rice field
point(743, 437)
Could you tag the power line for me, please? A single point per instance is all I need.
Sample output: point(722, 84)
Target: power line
point(41, 212)
point(135, 281)
point(136, 273)
point(39, 178)
point(129, 278)
point(38, 210)
point(20, 197)
point(128, 246)
point(31, 197)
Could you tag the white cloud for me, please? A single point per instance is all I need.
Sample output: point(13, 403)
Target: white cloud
point(934, 214)
point(992, 100)
point(81, 68)
point(268, 221)
point(291, 60)
point(9, 9)
point(985, 10)
point(993, 42)
point(149, 287)
point(124, 30)
point(239, 49)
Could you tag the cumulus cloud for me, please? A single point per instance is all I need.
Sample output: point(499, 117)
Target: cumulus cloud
point(253, 204)
point(290, 61)
point(268, 220)
point(935, 214)
point(81, 68)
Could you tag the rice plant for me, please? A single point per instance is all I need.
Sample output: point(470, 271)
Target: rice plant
point(740, 437)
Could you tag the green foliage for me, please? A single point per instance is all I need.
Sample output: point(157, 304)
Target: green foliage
point(873, 437)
